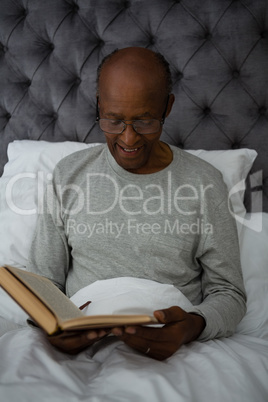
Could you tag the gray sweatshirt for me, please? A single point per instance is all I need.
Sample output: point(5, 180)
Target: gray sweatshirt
point(174, 226)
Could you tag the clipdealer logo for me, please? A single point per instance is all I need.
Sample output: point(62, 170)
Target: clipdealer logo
point(132, 227)
point(159, 201)
point(253, 220)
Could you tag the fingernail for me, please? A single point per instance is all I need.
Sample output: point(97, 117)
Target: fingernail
point(161, 314)
point(130, 330)
point(117, 332)
point(91, 335)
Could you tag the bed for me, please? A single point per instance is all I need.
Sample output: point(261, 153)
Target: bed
point(218, 55)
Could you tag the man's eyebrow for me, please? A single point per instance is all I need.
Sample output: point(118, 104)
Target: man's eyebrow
point(146, 114)
point(111, 114)
point(120, 117)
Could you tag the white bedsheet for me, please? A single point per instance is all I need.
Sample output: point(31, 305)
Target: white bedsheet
point(229, 370)
point(226, 370)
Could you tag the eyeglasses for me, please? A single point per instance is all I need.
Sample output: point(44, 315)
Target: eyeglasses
point(114, 126)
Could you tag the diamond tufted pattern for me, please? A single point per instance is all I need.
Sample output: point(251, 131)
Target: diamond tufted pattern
point(217, 50)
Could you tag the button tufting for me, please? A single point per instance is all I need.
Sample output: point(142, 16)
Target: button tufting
point(75, 8)
point(3, 48)
point(262, 110)
point(35, 41)
point(152, 40)
point(236, 74)
point(235, 145)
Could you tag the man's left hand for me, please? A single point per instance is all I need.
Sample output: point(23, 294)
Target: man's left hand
point(179, 328)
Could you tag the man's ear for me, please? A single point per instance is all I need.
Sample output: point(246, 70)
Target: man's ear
point(170, 104)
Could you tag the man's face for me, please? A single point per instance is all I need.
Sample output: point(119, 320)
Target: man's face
point(131, 95)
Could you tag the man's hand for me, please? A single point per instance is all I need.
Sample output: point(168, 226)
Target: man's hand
point(75, 342)
point(160, 343)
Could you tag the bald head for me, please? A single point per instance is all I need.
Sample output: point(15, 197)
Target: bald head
point(137, 63)
point(133, 87)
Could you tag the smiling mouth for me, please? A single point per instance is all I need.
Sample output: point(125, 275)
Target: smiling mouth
point(129, 151)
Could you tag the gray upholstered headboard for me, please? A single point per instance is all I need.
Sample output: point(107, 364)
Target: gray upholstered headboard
point(217, 50)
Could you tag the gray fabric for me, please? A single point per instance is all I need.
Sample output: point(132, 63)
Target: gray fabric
point(106, 222)
point(217, 50)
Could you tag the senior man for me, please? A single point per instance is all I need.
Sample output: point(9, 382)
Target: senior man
point(152, 211)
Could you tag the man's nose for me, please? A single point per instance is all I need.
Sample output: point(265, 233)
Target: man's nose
point(129, 135)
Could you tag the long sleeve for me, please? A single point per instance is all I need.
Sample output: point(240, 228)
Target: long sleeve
point(224, 300)
point(49, 253)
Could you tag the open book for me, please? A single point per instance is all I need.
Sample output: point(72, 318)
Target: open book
point(52, 310)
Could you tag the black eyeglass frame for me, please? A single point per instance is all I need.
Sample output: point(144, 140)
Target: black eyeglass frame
point(162, 121)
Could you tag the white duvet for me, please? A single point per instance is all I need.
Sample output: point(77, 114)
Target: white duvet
point(226, 370)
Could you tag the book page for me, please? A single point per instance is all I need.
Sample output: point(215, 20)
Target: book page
point(44, 293)
point(54, 299)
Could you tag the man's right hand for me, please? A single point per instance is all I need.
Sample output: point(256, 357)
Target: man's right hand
point(74, 342)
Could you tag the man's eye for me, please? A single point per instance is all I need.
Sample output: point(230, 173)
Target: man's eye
point(115, 122)
point(144, 123)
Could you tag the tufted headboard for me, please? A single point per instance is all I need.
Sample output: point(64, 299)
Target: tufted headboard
point(218, 55)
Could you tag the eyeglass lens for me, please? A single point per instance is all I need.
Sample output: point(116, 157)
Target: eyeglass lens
point(140, 126)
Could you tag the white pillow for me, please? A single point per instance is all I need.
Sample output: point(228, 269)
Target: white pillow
point(33, 156)
point(234, 166)
point(254, 260)
point(29, 167)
